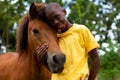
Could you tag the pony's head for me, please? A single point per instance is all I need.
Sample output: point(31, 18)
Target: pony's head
point(34, 31)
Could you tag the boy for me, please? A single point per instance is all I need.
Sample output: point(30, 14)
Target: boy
point(77, 42)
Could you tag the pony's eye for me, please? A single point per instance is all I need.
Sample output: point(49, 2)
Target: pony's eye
point(35, 31)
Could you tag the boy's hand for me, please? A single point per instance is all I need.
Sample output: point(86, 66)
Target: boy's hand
point(41, 51)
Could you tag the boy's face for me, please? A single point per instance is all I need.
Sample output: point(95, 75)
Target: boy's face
point(57, 19)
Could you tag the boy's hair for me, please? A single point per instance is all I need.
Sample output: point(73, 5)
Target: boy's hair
point(52, 5)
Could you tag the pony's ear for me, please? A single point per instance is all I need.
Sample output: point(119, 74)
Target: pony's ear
point(33, 11)
point(37, 10)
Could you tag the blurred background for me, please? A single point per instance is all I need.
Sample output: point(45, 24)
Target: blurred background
point(102, 17)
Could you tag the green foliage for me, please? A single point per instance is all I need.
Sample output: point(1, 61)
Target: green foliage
point(9, 15)
point(58, 1)
point(110, 66)
point(85, 11)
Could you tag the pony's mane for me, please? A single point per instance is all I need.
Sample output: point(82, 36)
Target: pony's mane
point(22, 32)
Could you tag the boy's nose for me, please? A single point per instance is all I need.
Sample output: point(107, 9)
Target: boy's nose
point(56, 22)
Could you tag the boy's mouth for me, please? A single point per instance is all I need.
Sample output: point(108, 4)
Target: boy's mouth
point(61, 28)
point(59, 31)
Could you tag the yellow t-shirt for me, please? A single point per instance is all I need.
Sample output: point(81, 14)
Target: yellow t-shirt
point(76, 43)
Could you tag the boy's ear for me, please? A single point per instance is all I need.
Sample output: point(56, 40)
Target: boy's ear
point(65, 11)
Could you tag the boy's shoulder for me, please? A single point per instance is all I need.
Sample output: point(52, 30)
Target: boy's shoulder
point(80, 26)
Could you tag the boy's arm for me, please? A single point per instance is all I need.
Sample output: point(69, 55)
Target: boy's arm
point(94, 65)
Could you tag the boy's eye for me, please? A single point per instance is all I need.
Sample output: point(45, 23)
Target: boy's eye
point(57, 17)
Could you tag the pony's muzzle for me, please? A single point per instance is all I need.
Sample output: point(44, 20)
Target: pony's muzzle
point(56, 62)
point(58, 59)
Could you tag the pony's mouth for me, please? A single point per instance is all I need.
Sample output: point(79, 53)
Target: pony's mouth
point(56, 68)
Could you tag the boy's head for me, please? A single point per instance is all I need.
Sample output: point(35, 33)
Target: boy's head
point(56, 16)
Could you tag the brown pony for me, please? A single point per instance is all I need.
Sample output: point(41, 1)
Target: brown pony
point(32, 32)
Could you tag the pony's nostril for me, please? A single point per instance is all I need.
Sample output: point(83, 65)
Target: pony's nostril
point(55, 59)
point(59, 58)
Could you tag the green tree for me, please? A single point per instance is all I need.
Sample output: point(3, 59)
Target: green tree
point(9, 15)
point(110, 68)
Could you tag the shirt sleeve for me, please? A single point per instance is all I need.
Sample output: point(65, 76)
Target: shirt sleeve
point(89, 40)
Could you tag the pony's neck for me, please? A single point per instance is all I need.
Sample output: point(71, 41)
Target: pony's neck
point(29, 66)
point(35, 70)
